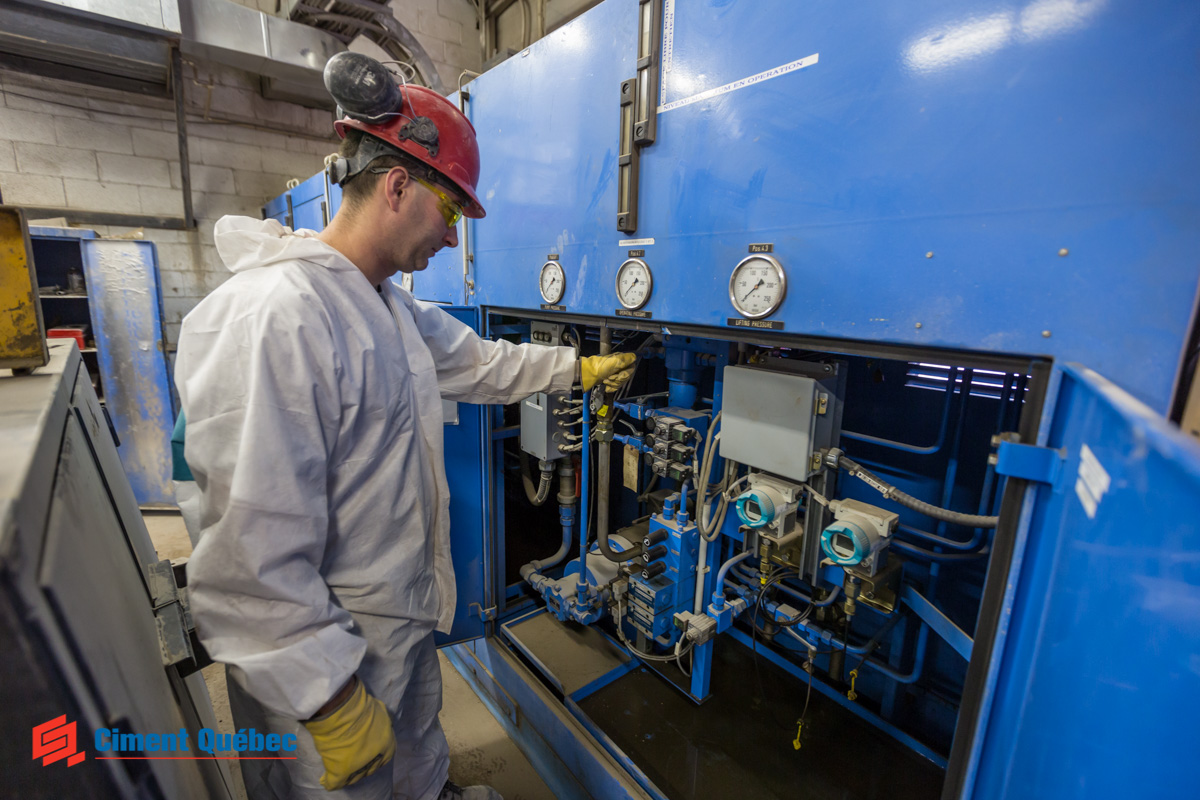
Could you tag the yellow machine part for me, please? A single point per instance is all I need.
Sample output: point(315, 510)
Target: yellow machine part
point(22, 331)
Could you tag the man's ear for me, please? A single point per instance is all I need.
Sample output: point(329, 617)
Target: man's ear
point(395, 182)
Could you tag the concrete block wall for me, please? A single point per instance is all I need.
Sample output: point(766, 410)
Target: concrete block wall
point(447, 30)
point(82, 147)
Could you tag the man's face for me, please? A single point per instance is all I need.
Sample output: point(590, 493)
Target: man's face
point(426, 210)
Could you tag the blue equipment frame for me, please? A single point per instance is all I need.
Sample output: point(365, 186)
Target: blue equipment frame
point(886, 159)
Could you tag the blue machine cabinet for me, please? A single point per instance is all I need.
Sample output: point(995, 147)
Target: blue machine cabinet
point(1003, 186)
point(310, 204)
point(987, 176)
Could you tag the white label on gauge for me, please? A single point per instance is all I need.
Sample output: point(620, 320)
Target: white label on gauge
point(635, 242)
point(1092, 483)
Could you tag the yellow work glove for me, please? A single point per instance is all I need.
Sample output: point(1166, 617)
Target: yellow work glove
point(611, 370)
point(354, 739)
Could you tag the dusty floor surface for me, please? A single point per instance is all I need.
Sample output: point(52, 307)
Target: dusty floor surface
point(480, 750)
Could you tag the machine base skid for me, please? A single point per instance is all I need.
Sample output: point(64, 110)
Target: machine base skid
point(734, 745)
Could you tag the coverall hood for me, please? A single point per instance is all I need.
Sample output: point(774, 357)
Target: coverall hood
point(245, 243)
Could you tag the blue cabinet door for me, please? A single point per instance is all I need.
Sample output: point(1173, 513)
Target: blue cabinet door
point(466, 443)
point(1098, 678)
point(125, 299)
point(279, 209)
point(309, 209)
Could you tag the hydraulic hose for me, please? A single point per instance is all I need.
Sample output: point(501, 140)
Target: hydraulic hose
point(566, 514)
point(542, 493)
point(604, 477)
point(907, 500)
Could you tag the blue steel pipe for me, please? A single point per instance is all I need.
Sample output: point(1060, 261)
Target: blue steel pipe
point(909, 448)
point(718, 596)
point(682, 393)
point(956, 448)
point(973, 543)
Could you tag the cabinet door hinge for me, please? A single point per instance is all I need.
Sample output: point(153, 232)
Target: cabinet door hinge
point(486, 614)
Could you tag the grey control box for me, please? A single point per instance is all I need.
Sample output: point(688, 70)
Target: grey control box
point(541, 435)
point(769, 420)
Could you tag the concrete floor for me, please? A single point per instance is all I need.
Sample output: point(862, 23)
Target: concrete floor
point(480, 750)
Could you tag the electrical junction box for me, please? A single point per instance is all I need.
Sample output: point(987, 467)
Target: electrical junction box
point(769, 420)
point(539, 420)
point(539, 424)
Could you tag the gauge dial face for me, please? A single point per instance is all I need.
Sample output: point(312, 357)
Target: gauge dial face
point(634, 284)
point(406, 280)
point(757, 286)
point(552, 282)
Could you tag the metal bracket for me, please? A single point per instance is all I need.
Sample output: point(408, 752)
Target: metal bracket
point(172, 615)
point(650, 22)
point(161, 580)
point(627, 161)
point(639, 112)
point(173, 642)
point(1027, 461)
point(486, 614)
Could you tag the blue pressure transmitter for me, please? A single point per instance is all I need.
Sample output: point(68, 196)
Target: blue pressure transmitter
point(845, 544)
point(755, 509)
point(858, 535)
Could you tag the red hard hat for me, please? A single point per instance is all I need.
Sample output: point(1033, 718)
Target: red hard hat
point(427, 127)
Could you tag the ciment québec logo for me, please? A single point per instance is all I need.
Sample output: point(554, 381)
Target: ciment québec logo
point(57, 740)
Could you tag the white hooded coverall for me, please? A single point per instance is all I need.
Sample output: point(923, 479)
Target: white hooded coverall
point(314, 430)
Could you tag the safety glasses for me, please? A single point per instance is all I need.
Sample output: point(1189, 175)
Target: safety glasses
point(451, 211)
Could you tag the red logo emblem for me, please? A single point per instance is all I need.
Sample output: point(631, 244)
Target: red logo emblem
point(54, 741)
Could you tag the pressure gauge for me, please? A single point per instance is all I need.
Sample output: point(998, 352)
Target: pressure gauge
point(552, 282)
point(634, 284)
point(406, 281)
point(757, 286)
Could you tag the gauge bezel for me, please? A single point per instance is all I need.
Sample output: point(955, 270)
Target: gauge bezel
point(562, 274)
point(649, 282)
point(774, 262)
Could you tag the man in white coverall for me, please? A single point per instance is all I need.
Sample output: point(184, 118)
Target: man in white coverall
point(312, 387)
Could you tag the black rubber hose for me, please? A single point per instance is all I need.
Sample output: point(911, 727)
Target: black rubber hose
point(907, 500)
